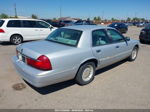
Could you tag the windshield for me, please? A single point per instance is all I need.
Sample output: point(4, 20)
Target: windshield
point(1, 22)
point(65, 36)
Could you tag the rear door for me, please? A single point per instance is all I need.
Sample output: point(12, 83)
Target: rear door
point(13, 27)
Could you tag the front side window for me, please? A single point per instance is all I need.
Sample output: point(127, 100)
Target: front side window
point(99, 37)
point(65, 36)
point(1, 22)
point(14, 23)
point(41, 24)
point(115, 36)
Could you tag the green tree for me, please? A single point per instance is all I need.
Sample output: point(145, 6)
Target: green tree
point(34, 16)
point(143, 19)
point(3, 15)
point(88, 19)
point(136, 19)
point(54, 19)
point(128, 19)
point(97, 19)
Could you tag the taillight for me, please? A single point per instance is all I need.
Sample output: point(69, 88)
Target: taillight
point(42, 63)
point(2, 31)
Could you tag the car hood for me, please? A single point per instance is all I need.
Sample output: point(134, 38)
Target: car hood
point(43, 47)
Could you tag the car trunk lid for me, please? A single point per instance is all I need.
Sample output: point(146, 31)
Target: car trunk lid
point(38, 48)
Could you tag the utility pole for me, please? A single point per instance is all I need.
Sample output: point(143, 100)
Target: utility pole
point(15, 10)
point(60, 9)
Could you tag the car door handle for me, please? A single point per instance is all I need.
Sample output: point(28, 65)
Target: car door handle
point(117, 46)
point(98, 51)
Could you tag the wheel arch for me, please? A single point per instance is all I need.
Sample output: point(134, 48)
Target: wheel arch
point(90, 60)
point(86, 61)
point(16, 34)
point(136, 46)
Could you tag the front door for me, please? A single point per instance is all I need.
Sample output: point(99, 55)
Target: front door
point(45, 29)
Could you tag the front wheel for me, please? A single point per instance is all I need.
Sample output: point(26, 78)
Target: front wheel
point(85, 74)
point(16, 39)
point(134, 53)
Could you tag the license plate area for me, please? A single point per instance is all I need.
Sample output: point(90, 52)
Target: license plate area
point(21, 57)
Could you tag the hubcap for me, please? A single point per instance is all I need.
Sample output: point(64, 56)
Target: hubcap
point(134, 53)
point(17, 40)
point(87, 73)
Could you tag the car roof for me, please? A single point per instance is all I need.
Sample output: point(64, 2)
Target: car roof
point(20, 19)
point(87, 27)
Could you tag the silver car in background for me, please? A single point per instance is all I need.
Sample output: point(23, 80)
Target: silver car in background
point(73, 52)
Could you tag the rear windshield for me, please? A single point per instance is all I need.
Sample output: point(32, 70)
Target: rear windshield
point(65, 36)
point(1, 22)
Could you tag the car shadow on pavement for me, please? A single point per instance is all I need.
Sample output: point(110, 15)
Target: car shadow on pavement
point(100, 71)
point(53, 88)
point(5, 44)
point(10, 44)
point(63, 85)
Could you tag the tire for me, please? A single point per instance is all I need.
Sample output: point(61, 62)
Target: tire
point(85, 74)
point(134, 54)
point(16, 39)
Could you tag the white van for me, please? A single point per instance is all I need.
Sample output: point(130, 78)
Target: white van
point(18, 30)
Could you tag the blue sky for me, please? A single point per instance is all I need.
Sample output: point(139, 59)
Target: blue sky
point(78, 8)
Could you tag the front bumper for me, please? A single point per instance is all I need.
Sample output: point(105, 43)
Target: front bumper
point(37, 77)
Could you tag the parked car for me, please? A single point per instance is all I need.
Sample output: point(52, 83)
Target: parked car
point(120, 27)
point(73, 52)
point(145, 34)
point(66, 22)
point(135, 23)
point(129, 24)
point(18, 30)
point(140, 24)
point(82, 22)
point(54, 23)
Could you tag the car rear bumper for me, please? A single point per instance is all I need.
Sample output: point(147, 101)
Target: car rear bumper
point(144, 38)
point(37, 77)
point(3, 37)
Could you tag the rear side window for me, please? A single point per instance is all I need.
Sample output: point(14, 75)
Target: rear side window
point(28, 24)
point(1, 22)
point(99, 37)
point(14, 23)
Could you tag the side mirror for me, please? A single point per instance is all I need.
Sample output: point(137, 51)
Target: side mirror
point(127, 38)
point(50, 27)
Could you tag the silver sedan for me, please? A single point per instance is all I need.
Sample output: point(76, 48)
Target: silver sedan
point(73, 52)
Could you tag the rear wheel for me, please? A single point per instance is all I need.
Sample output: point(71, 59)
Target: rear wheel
point(86, 73)
point(16, 39)
point(134, 53)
